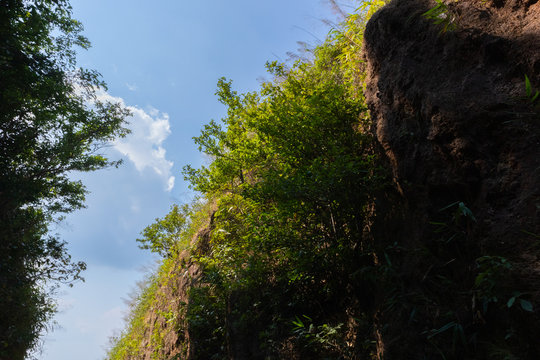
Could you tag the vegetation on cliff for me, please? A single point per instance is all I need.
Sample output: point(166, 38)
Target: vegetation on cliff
point(317, 245)
point(293, 178)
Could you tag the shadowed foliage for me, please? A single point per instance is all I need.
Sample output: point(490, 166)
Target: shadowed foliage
point(51, 125)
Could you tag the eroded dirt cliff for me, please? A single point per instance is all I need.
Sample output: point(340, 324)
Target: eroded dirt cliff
point(451, 113)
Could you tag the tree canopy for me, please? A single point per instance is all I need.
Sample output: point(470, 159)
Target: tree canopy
point(293, 174)
point(162, 236)
point(52, 124)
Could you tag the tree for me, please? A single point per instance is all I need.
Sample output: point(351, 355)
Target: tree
point(51, 125)
point(165, 234)
point(294, 177)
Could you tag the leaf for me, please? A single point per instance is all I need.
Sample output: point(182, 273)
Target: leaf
point(511, 302)
point(438, 223)
point(434, 11)
point(388, 259)
point(442, 329)
point(526, 305)
point(528, 87)
point(298, 323)
point(466, 211)
point(535, 96)
point(449, 206)
point(479, 279)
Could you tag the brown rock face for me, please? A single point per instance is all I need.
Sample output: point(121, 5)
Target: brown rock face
point(452, 116)
point(170, 298)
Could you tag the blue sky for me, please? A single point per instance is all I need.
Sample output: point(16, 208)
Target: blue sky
point(162, 59)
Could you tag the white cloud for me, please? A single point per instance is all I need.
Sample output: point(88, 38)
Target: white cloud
point(170, 183)
point(144, 145)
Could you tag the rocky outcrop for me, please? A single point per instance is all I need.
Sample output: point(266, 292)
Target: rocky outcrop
point(162, 330)
point(451, 114)
point(166, 335)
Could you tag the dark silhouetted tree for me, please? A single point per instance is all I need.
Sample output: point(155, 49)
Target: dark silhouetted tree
point(51, 124)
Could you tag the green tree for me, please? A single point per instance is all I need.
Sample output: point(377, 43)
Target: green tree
point(51, 125)
point(294, 175)
point(165, 234)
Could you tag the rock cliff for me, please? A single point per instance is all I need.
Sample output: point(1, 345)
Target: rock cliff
point(452, 115)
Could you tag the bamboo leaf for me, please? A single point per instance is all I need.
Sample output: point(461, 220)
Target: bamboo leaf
point(528, 87)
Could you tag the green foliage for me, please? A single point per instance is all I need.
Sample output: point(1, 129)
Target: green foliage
point(469, 302)
point(491, 272)
point(159, 293)
point(325, 336)
point(532, 95)
point(460, 221)
point(441, 15)
point(295, 229)
point(294, 174)
point(206, 320)
point(51, 125)
point(163, 236)
point(150, 297)
point(525, 305)
point(127, 344)
point(347, 39)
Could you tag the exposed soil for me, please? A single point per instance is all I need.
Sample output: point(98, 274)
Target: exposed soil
point(452, 117)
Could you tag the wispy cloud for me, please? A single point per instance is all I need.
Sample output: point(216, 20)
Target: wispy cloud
point(131, 87)
point(144, 145)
